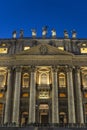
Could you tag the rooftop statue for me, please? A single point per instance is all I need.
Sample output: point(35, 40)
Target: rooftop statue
point(74, 34)
point(33, 32)
point(53, 33)
point(44, 31)
point(66, 34)
point(14, 34)
point(21, 33)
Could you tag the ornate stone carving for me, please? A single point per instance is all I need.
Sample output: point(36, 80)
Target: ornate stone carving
point(43, 49)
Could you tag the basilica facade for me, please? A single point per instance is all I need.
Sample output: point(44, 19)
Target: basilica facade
point(43, 80)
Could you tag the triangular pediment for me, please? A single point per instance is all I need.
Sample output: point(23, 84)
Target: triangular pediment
point(44, 49)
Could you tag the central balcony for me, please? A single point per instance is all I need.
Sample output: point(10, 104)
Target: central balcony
point(43, 86)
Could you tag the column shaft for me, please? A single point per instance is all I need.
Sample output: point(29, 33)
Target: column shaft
point(16, 103)
point(55, 108)
point(71, 104)
point(7, 117)
point(79, 104)
point(32, 100)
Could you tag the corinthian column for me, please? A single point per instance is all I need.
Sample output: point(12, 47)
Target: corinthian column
point(71, 104)
point(32, 98)
point(8, 97)
point(55, 108)
point(16, 103)
point(79, 105)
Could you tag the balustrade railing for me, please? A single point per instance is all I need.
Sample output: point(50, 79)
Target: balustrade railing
point(44, 86)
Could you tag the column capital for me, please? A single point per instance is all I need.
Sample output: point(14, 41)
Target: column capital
point(69, 68)
point(32, 68)
point(54, 68)
point(77, 69)
point(18, 68)
point(9, 68)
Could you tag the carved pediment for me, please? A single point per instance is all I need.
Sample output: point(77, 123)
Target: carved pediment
point(44, 49)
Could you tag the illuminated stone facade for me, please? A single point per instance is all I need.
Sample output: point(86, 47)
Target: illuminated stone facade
point(43, 80)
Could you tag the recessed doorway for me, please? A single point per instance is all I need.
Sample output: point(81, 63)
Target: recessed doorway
point(44, 113)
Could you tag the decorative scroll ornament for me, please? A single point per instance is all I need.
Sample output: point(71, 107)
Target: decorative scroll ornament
point(43, 49)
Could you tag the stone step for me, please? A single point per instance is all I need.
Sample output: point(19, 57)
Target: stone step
point(39, 128)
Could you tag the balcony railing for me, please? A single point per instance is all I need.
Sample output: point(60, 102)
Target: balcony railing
point(25, 89)
point(62, 89)
point(43, 87)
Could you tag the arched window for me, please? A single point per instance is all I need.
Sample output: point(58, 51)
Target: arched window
point(43, 78)
point(25, 80)
point(24, 118)
point(62, 117)
point(62, 80)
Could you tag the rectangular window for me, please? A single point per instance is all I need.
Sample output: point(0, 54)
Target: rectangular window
point(62, 82)
point(3, 50)
point(83, 50)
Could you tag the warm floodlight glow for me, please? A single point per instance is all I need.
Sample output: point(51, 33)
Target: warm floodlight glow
point(26, 48)
point(83, 50)
point(3, 50)
point(61, 48)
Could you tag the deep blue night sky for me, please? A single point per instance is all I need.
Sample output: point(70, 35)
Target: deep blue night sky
point(28, 14)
